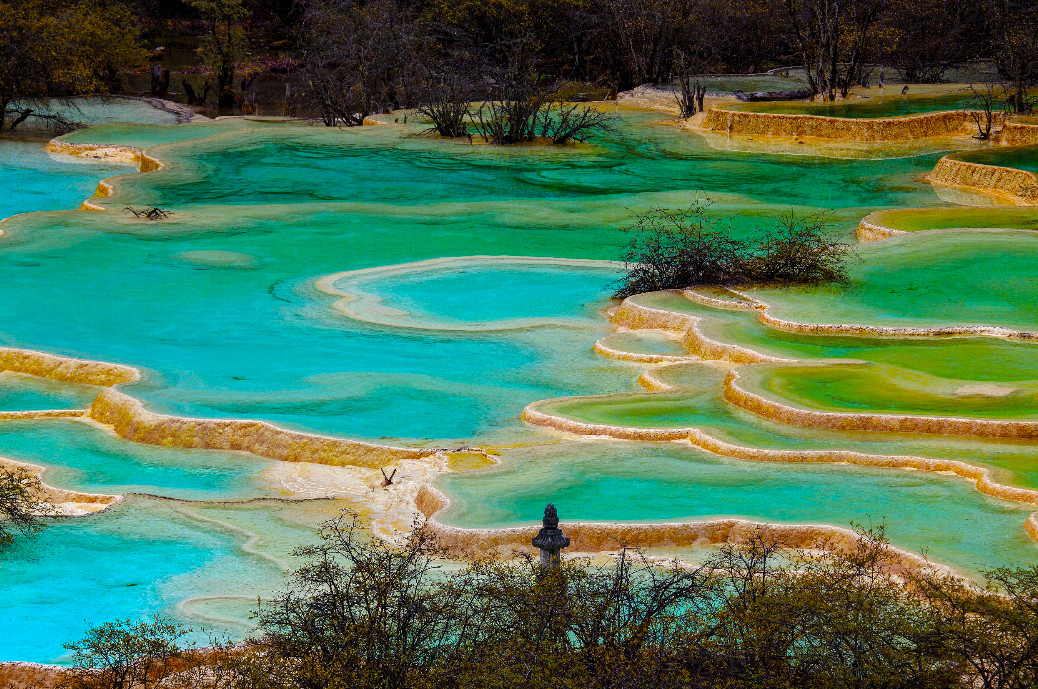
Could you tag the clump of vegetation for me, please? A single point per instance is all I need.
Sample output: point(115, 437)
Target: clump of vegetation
point(22, 506)
point(983, 104)
point(519, 107)
point(363, 614)
point(685, 248)
point(124, 655)
point(52, 52)
point(447, 105)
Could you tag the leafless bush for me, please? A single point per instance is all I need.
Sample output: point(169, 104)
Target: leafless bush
point(983, 103)
point(447, 105)
point(690, 94)
point(515, 109)
point(523, 106)
point(562, 122)
point(799, 251)
point(679, 249)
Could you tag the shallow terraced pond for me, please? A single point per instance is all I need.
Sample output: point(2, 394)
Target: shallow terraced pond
point(224, 311)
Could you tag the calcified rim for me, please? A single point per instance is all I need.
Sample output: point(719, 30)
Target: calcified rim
point(638, 357)
point(870, 229)
point(1018, 134)
point(610, 537)
point(129, 419)
point(363, 306)
point(869, 331)
point(867, 421)
point(74, 502)
point(1004, 182)
point(66, 369)
point(979, 476)
point(864, 130)
point(634, 315)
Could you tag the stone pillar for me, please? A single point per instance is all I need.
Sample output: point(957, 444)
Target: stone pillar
point(550, 539)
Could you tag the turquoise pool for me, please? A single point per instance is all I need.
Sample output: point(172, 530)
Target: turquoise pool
point(221, 309)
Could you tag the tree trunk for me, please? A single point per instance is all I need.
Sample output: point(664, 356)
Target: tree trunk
point(21, 118)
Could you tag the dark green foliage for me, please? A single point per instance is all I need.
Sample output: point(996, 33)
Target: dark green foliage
point(22, 508)
point(680, 249)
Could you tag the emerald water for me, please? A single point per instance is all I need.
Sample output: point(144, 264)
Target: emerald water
point(223, 310)
point(1020, 157)
point(923, 219)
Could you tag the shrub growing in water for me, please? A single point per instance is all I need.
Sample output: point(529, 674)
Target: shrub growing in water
point(684, 248)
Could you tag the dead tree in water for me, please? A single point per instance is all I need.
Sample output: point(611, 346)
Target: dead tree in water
point(691, 94)
point(690, 97)
point(982, 103)
point(148, 213)
point(448, 107)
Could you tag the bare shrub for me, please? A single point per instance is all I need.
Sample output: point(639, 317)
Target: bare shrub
point(447, 105)
point(983, 103)
point(124, 655)
point(562, 122)
point(679, 249)
point(800, 250)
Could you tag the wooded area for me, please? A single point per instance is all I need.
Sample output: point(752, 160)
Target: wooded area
point(351, 58)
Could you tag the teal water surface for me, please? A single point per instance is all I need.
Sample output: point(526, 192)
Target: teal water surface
point(218, 308)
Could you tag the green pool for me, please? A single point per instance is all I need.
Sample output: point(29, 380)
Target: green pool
point(220, 309)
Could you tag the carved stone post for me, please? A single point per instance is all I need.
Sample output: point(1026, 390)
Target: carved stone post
point(550, 539)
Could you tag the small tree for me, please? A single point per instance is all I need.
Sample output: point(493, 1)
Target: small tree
point(124, 655)
point(52, 52)
point(22, 505)
point(224, 43)
point(361, 613)
point(983, 103)
point(447, 105)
